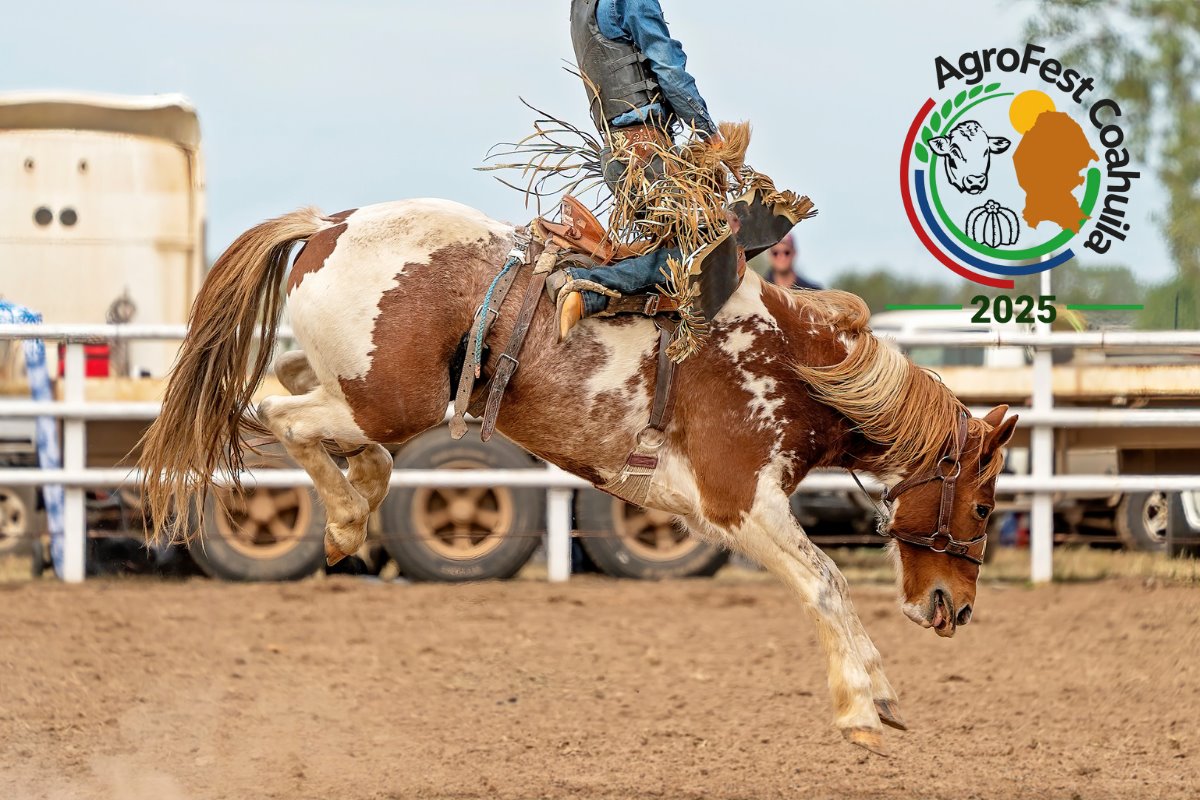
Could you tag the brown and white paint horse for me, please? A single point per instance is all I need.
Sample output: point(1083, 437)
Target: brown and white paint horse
point(379, 298)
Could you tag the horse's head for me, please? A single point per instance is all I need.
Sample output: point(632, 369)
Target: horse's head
point(939, 522)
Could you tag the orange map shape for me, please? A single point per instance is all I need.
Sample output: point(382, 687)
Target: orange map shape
point(1049, 162)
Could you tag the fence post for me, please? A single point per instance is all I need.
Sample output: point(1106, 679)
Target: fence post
point(558, 534)
point(1041, 456)
point(74, 562)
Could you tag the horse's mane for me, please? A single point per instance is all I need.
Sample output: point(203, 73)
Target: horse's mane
point(891, 401)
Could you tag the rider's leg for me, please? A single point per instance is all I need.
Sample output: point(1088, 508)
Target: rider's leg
point(635, 275)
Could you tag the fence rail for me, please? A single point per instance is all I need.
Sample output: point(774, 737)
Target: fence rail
point(1042, 418)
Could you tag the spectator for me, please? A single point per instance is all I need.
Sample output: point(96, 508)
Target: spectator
point(783, 266)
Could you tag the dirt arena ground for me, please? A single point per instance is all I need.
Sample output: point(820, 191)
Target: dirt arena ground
point(341, 688)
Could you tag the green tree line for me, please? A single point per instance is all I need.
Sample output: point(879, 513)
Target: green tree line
point(1145, 54)
point(1071, 283)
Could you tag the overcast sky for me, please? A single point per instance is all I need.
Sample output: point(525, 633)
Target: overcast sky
point(340, 104)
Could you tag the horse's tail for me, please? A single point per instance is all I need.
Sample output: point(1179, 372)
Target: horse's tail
point(219, 365)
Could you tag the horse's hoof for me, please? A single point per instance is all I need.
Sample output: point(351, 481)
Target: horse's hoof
point(332, 554)
point(889, 714)
point(867, 739)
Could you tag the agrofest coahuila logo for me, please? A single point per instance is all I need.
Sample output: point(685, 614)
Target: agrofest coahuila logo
point(1013, 164)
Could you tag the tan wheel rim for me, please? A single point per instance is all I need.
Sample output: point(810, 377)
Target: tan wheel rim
point(264, 523)
point(1155, 515)
point(465, 523)
point(14, 517)
point(649, 533)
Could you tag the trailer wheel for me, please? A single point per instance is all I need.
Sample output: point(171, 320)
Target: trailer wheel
point(447, 534)
point(1183, 528)
point(39, 560)
point(17, 507)
point(264, 534)
point(1142, 519)
point(626, 541)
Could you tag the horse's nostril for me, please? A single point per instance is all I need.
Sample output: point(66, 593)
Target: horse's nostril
point(964, 614)
point(940, 609)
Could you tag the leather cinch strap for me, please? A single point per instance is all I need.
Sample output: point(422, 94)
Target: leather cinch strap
point(632, 483)
point(664, 386)
point(508, 360)
point(524, 249)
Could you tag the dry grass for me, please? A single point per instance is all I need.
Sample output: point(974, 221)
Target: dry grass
point(1087, 564)
point(14, 569)
point(871, 565)
point(1009, 565)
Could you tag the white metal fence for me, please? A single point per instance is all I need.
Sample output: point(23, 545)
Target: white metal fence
point(1041, 485)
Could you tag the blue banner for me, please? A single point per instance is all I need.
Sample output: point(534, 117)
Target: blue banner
point(48, 453)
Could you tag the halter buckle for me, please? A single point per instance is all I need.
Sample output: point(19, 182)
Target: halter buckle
point(954, 465)
point(933, 539)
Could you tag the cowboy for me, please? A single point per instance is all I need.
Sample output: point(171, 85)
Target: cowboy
point(638, 85)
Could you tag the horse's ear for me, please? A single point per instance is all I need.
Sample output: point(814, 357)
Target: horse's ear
point(995, 416)
point(999, 436)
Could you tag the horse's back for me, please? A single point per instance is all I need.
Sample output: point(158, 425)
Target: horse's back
point(428, 222)
point(384, 294)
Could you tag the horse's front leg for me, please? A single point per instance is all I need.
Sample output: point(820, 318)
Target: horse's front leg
point(773, 537)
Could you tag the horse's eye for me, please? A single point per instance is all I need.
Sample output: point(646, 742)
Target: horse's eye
point(982, 512)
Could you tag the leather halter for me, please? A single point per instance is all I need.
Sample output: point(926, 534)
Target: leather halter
point(947, 471)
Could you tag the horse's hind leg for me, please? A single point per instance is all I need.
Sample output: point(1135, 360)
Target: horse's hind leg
point(294, 371)
point(300, 423)
point(370, 469)
point(370, 472)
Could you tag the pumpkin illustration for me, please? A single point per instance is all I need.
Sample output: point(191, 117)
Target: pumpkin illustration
point(993, 224)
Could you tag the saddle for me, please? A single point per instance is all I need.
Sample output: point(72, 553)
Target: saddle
point(579, 232)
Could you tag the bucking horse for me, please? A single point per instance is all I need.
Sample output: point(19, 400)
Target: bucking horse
point(379, 299)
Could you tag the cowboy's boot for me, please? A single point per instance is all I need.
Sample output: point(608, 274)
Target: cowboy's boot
point(570, 312)
point(766, 214)
point(570, 307)
point(578, 298)
point(567, 293)
point(585, 287)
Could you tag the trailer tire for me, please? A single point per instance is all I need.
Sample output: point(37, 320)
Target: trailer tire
point(18, 507)
point(1183, 537)
point(457, 535)
point(625, 541)
point(1141, 521)
point(244, 543)
point(39, 559)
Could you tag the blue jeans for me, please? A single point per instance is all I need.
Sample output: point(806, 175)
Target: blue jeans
point(641, 22)
point(636, 275)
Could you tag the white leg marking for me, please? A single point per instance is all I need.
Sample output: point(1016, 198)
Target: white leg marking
point(369, 473)
point(771, 536)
